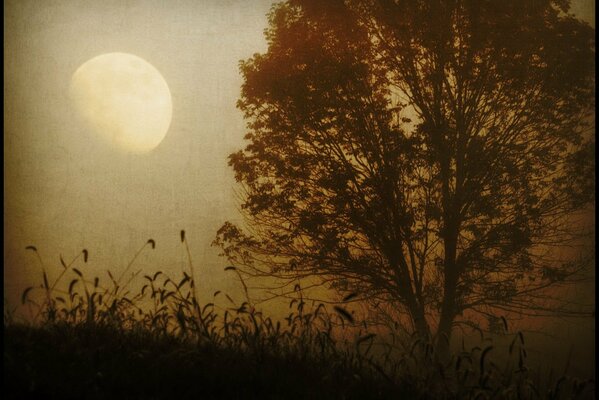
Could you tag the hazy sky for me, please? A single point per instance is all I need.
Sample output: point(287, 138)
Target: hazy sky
point(65, 190)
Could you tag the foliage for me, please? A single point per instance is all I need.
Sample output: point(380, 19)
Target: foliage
point(90, 347)
point(426, 153)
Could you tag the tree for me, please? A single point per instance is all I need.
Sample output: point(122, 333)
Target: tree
point(424, 153)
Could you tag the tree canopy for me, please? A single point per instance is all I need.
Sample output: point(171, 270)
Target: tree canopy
point(424, 153)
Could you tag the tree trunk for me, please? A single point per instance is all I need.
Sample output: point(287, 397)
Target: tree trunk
point(420, 324)
point(443, 338)
point(448, 307)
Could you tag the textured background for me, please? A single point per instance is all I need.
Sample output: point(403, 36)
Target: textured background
point(65, 190)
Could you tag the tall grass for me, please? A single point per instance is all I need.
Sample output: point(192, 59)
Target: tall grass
point(166, 309)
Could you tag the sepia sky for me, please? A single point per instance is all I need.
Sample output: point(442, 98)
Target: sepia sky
point(65, 190)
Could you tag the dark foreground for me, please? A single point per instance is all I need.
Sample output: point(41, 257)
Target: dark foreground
point(67, 362)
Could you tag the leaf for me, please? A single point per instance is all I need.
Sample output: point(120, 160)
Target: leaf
point(482, 359)
point(343, 312)
point(512, 344)
point(25, 293)
point(72, 284)
point(182, 235)
point(62, 261)
point(365, 337)
point(152, 243)
point(45, 280)
point(85, 254)
point(350, 296)
point(242, 309)
point(230, 268)
point(206, 306)
point(32, 248)
point(75, 270)
point(482, 337)
point(185, 279)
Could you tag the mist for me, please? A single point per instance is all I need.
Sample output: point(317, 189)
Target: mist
point(66, 190)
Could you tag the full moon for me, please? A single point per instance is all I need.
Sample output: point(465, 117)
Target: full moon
point(123, 99)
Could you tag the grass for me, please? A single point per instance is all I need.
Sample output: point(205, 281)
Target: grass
point(93, 341)
point(102, 362)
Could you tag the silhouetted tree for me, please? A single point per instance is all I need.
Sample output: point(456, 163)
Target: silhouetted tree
point(426, 153)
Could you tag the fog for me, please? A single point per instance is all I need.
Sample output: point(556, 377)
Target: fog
point(65, 190)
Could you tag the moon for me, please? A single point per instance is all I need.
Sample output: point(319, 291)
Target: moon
point(124, 100)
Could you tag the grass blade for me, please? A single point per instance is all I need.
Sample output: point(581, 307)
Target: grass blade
point(344, 313)
point(25, 293)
